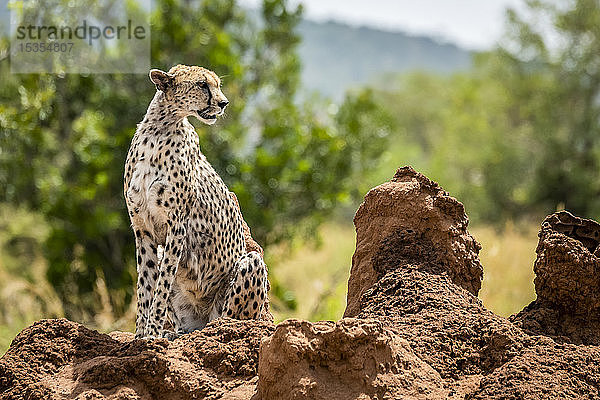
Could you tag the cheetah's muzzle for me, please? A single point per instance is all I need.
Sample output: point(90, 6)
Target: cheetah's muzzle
point(207, 116)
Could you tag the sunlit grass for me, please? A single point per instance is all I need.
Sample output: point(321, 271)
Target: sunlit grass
point(314, 275)
point(507, 257)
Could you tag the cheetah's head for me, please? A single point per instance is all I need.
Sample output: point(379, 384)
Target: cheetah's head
point(193, 91)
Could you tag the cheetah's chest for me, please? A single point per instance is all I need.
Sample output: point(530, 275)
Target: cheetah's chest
point(170, 177)
point(163, 178)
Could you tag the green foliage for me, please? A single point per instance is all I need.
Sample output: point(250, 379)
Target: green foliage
point(560, 83)
point(517, 135)
point(64, 138)
point(454, 129)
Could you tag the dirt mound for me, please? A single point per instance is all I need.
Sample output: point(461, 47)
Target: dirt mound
point(414, 327)
point(411, 218)
point(567, 281)
point(56, 359)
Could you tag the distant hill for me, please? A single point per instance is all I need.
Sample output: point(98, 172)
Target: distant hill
point(336, 56)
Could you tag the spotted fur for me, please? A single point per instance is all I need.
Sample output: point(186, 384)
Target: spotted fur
point(191, 260)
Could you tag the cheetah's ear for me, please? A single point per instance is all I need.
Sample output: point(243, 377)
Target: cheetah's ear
point(162, 79)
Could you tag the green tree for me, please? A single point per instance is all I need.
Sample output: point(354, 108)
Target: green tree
point(552, 71)
point(518, 134)
point(455, 130)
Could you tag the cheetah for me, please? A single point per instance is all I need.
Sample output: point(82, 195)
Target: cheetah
point(190, 250)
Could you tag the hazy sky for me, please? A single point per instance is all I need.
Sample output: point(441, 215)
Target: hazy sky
point(474, 24)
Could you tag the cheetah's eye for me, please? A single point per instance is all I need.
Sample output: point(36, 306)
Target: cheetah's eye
point(202, 84)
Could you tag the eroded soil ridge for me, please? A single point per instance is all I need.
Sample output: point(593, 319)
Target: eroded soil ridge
point(567, 281)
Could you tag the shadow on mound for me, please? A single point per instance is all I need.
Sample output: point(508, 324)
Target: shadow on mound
point(413, 327)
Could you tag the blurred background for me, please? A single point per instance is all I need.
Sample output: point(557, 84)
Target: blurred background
point(498, 101)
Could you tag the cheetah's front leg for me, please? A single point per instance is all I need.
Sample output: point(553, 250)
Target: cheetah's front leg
point(173, 250)
point(147, 269)
point(247, 293)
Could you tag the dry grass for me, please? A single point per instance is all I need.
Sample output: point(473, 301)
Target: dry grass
point(25, 295)
point(507, 257)
point(314, 275)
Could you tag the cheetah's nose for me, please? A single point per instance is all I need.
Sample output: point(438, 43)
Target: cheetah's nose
point(223, 103)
